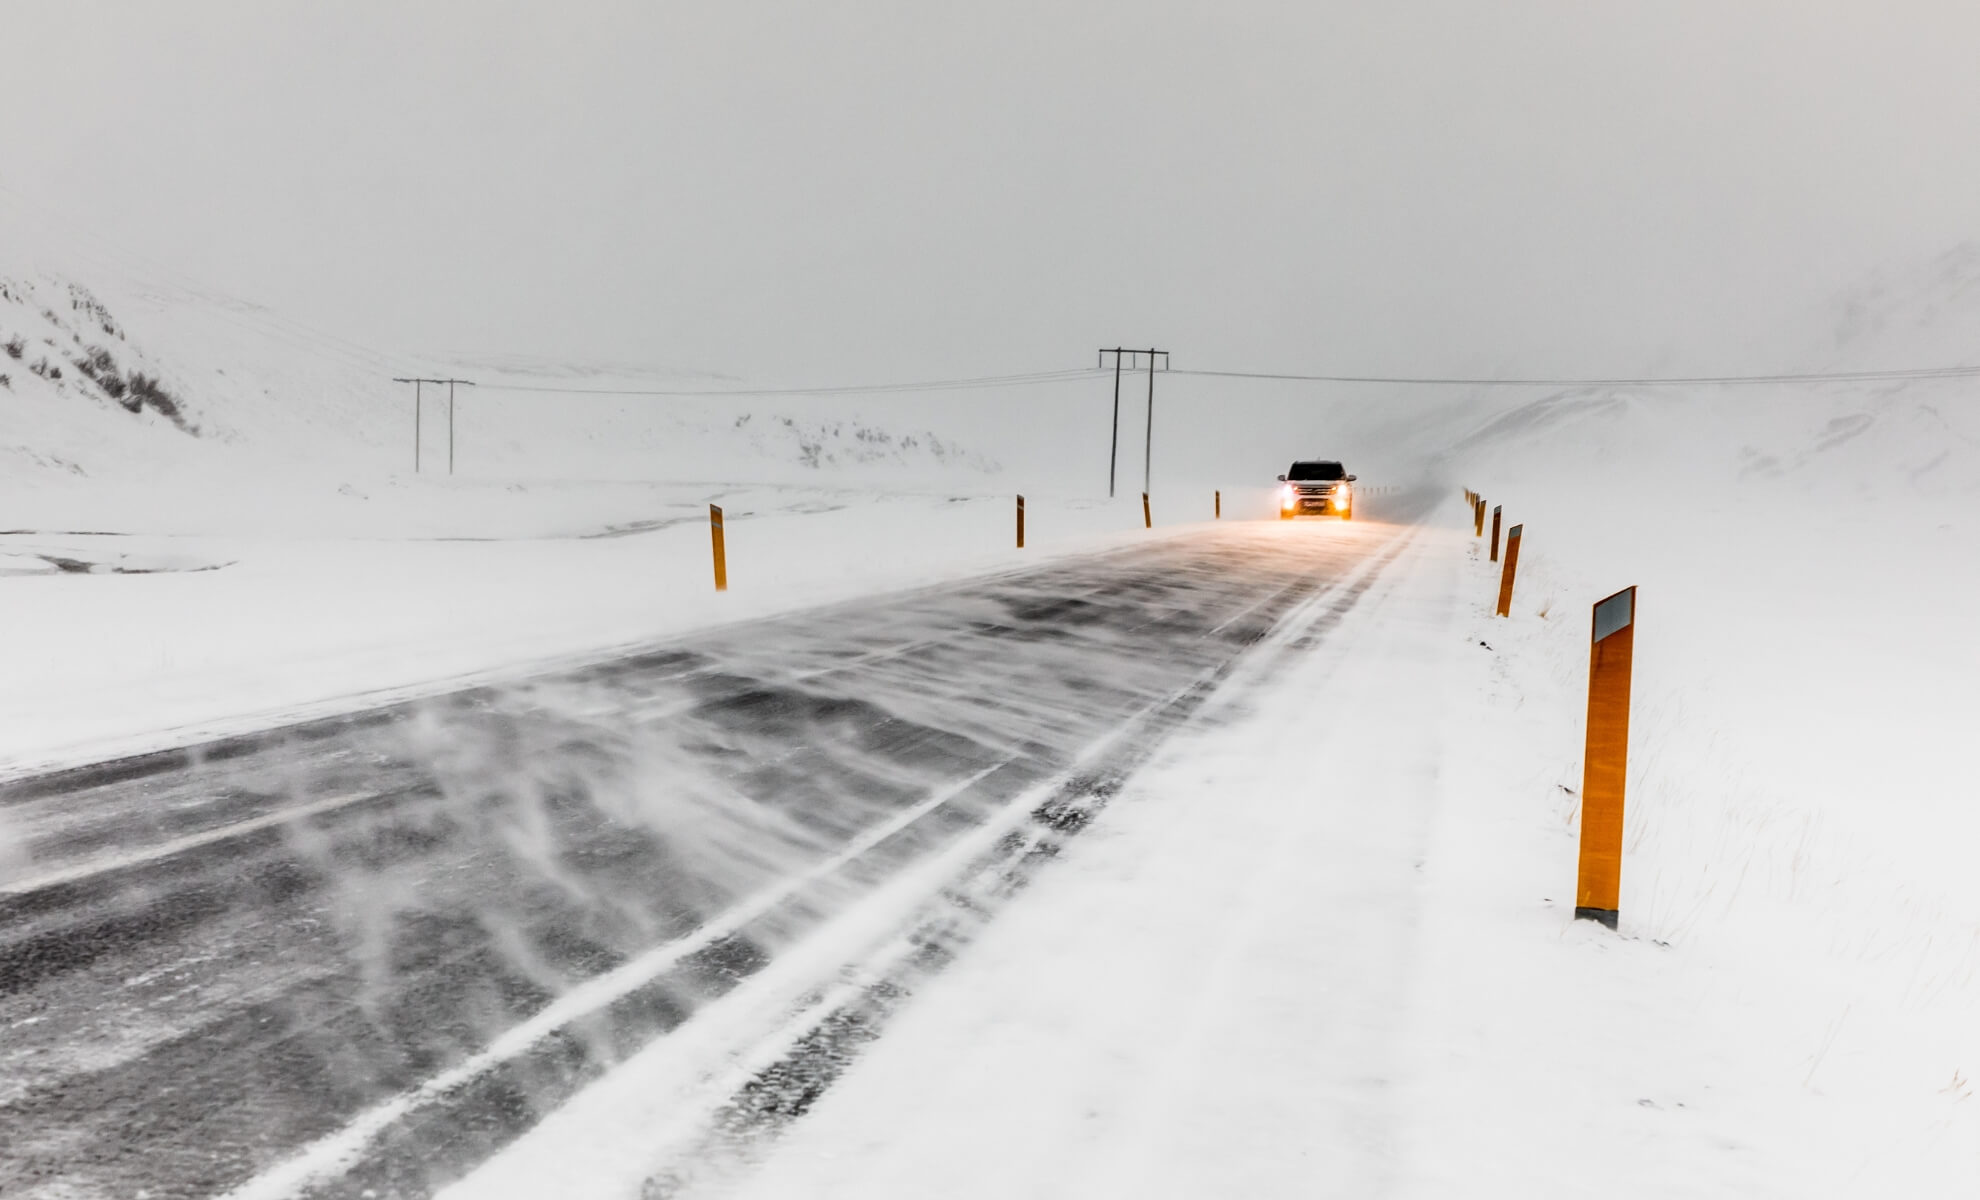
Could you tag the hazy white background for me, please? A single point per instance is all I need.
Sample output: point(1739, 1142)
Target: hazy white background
point(896, 190)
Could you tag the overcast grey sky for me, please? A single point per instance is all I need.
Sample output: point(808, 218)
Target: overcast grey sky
point(864, 189)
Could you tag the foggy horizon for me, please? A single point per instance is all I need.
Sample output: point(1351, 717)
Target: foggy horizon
point(885, 193)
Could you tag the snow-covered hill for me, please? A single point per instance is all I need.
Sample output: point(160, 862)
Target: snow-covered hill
point(116, 376)
point(112, 381)
point(1924, 313)
point(1897, 440)
point(1852, 442)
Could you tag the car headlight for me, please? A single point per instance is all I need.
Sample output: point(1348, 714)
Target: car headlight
point(1342, 496)
point(1286, 496)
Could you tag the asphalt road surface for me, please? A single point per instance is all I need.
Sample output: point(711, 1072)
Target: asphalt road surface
point(413, 931)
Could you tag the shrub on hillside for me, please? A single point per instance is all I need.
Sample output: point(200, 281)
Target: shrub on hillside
point(101, 369)
point(146, 391)
point(80, 300)
point(16, 346)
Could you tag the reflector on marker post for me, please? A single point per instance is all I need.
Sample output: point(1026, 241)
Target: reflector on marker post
point(1506, 570)
point(1495, 532)
point(721, 551)
point(1598, 884)
point(1020, 515)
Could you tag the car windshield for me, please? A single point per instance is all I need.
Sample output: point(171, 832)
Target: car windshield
point(1316, 470)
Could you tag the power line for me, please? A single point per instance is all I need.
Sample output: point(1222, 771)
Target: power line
point(1042, 378)
point(1645, 381)
point(927, 385)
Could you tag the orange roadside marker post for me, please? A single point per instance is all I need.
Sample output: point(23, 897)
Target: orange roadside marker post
point(1598, 883)
point(1478, 517)
point(1147, 521)
point(1020, 544)
point(1219, 512)
point(721, 552)
point(1495, 531)
point(1511, 565)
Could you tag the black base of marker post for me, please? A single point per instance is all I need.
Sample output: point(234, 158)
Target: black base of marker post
point(1606, 916)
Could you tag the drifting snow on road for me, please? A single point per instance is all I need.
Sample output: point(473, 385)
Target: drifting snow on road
point(370, 951)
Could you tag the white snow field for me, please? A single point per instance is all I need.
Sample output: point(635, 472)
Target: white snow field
point(1322, 945)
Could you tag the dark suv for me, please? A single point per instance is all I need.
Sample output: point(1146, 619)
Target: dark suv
point(1318, 488)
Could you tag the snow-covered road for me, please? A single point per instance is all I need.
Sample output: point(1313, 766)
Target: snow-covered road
point(371, 951)
point(1212, 999)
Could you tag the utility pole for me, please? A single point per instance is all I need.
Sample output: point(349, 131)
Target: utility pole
point(418, 407)
point(1114, 448)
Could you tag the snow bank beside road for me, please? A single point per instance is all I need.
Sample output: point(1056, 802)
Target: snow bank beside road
point(1787, 1009)
point(1804, 621)
point(1800, 958)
